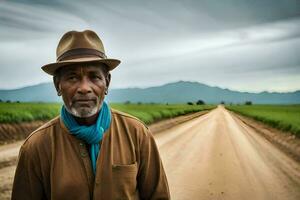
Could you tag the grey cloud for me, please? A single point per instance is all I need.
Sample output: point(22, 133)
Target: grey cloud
point(219, 43)
point(23, 21)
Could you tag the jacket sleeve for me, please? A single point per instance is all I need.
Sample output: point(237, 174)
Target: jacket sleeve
point(152, 180)
point(27, 181)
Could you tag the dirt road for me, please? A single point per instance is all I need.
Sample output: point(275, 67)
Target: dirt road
point(8, 157)
point(216, 156)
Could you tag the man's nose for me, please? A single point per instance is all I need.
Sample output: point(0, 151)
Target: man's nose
point(84, 86)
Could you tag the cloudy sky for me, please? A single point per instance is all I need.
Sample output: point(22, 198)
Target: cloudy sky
point(237, 44)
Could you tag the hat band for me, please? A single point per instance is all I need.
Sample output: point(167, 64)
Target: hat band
point(82, 52)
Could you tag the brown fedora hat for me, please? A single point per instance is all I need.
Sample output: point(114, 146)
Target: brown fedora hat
point(80, 47)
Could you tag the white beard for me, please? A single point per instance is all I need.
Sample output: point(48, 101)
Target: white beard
point(82, 113)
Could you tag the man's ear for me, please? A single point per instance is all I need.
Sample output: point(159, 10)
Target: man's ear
point(107, 79)
point(57, 85)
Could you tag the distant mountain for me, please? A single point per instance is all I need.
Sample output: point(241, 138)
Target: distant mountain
point(178, 92)
point(44, 92)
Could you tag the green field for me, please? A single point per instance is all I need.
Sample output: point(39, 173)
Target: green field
point(153, 112)
point(283, 117)
point(25, 112)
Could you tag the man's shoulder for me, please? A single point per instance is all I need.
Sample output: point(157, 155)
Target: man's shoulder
point(129, 119)
point(41, 134)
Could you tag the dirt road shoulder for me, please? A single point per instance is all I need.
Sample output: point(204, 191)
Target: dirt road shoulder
point(285, 141)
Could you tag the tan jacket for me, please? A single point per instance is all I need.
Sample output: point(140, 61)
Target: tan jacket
point(53, 164)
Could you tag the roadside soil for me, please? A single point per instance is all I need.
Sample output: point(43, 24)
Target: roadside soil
point(10, 133)
point(285, 141)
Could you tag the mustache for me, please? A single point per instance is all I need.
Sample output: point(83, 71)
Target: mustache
point(84, 98)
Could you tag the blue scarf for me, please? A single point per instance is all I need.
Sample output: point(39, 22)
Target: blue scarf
point(90, 134)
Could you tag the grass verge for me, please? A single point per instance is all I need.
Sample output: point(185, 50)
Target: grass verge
point(282, 117)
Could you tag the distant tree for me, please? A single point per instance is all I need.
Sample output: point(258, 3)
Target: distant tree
point(222, 102)
point(8, 101)
point(200, 102)
point(167, 103)
point(248, 103)
point(17, 101)
point(1, 100)
point(190, 103)
point(139, 103)
point(127, 102)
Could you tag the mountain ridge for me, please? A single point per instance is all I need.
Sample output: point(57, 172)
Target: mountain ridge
point(174, 92)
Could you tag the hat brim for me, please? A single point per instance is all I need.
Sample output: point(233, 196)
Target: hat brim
point(52, 67)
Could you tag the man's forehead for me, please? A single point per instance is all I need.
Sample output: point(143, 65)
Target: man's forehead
point(88, 67)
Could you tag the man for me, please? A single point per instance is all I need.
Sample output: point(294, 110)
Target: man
point(89, 151)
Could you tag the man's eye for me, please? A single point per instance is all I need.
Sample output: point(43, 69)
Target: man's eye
point(96, 77)
point(72, 78)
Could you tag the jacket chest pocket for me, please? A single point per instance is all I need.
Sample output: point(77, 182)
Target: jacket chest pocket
point(124, 181)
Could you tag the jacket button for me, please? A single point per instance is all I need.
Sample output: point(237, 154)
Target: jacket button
point(83, 154)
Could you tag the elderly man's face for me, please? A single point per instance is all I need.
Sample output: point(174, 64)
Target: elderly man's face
point(83, 87)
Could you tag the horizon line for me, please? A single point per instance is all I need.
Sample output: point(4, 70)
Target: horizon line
point(163, 84)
